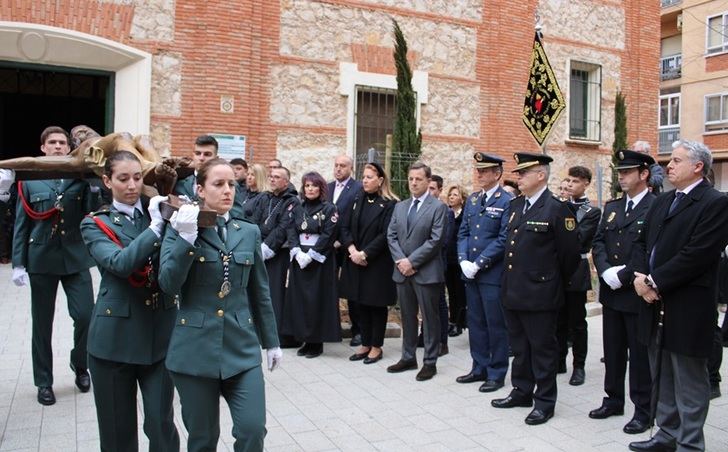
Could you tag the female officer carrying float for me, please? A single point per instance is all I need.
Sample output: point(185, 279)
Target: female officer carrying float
point(132, 320)
point(224, 317)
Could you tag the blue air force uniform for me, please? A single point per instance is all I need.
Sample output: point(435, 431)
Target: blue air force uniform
point(481, 240)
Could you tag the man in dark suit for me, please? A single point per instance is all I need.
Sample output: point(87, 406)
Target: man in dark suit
point(415, 236)
point(676, 263)
point(481, 241)
point(623, 219)
point(572, 317)
point(341, 192)
point(541, 254)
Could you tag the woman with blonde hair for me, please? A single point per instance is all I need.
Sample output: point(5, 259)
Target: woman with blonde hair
point(366, 276)
point(257, 183)
point(456, 196)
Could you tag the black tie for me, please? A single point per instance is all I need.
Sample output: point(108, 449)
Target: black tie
point(630, 205)
point(138, 219)
point(412, 213)
point(678, 197)
point(527, 206)
point(221, 228)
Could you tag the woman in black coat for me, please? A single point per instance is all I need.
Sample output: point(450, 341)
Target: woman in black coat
point(456, 196)
point(366, 276)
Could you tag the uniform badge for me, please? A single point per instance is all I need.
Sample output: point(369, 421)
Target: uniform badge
point(611, 217)
point(497, 194)
point(117, 220)
point(621, 155)
point(304, 225)
point(478, 156)
point(513, 214)
point(570, 224)
point(290, 206)
point(235, 225)
point(335, 218)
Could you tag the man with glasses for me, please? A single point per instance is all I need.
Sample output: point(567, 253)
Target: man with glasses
point(541, 253)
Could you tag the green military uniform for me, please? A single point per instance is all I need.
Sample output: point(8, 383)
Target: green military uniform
point(129, 334)
point(215, 345)
point(52, 251)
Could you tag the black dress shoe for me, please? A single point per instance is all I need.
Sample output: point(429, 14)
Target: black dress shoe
point(536, 416)
point(83, 381)
point(290, 343)
point(636, 426)
point(303, 350)
point(444, 350)
point(605, 411)
point(355, 340)
point(359, 356)
point(652, 445)
point(511, 401)
point(46, 396)
point(402, 365)
point(562, 368)
point(369, 360)
point(428, 371)
point(315, 350)
point(455, 331)
point(577, 377)
point(471, 378)
point(491, 385)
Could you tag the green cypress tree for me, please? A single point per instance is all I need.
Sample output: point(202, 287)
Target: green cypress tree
point(406, 138)
point(620, 137)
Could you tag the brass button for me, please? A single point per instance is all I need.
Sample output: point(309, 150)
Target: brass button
point(31, 240)
point(616, 257)
point(618, 244)
point(477, 226)
point(510, 267)
point(148, 302)
point(247, 262)
point(62, 221)
point(250, 320)
point(543, 278)
point(108, 311)
point(620, 231)
point(513, 242)
point(475, 238)
point(202, 258)
point(515, 231)
point(63, 232)
point(510, 254)
point(191, 253)
point(475, 249)
point(220, 313)
point(156, 244)
point(183, 321)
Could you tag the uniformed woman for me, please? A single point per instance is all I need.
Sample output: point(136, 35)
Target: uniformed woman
point(311, 310)
point(132, 320)
point(367, 273)
point(225, 315)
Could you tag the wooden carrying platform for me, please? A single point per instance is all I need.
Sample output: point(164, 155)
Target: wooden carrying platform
point(206, 219)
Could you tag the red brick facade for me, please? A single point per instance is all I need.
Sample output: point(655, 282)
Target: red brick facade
point(228, 48)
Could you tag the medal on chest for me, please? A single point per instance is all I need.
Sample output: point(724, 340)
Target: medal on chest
point(225, 286)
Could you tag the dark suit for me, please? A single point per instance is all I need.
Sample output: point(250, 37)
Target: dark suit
point(541, 254)
point(481, 240)
point(343, 204)
point(572, 317)
point(53, 251)
point(681, 252)
point(613, 247)
point(420, 243)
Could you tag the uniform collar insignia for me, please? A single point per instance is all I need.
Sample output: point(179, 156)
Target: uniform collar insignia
point(116, 219)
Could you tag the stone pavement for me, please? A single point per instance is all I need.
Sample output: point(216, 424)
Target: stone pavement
point(328, 403)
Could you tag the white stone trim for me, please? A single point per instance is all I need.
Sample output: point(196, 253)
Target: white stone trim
point(41, 44)
point(350, 77)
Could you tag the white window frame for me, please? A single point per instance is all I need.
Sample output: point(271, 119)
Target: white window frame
point(594, 100)
point(720, 125)
point(723, 47)
point(668, 97)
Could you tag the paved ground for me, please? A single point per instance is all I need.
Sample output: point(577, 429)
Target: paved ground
point(328, 403)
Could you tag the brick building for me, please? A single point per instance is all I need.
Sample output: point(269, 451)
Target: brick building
point(304, 80)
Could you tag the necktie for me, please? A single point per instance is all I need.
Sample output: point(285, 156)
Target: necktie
point(630, 205)
point(138, 219)
point(221, 228)
point(527, 206)
point(412, 213)
point(678, 197)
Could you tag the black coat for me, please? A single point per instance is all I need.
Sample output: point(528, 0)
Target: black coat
point(542, 252)
point(587, 220)
point(613, 247)
point(272, 214)
point(687, 246)
point(371, 285)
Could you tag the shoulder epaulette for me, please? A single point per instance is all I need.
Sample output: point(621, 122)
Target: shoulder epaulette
point(613, 200)
point(556, 197)
point(103, 210)
point(585, 207)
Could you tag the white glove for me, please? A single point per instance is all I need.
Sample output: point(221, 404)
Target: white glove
point(4, 197)
point(303, 260)
point(185, 222)
point(610, 277)
point(7, 179)
point(157, 224)
point(275, 356)
point(20, 276)
point(469, 269)
point(266, 251)
point(294, 251)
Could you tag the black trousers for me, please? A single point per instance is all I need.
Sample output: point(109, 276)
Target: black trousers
point(456, 295)
point(373, 324)
point(572, 323)
point(532, 336)
point(620, 340)
point(716, 357)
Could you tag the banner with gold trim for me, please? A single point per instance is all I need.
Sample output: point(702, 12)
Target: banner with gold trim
point(544, 101)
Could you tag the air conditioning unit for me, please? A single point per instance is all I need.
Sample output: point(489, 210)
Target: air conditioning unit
point(679, 22)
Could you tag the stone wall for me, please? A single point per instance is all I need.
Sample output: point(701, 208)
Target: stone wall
point(161, 135)
point(166, 96)
point(584, 21)
point(306, 95)
point(301, 152)
point(463, 9)
point(325, 32)
point(452, 161)
point(565, 159)
point(153, 20)
point(453, 108)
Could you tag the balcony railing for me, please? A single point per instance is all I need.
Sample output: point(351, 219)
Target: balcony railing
point(671, 67)
point(667, 136)
point(666, 3)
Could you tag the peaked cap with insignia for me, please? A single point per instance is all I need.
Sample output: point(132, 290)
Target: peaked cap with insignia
point(483, 160)
point(627, 159)
point(526, 160)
